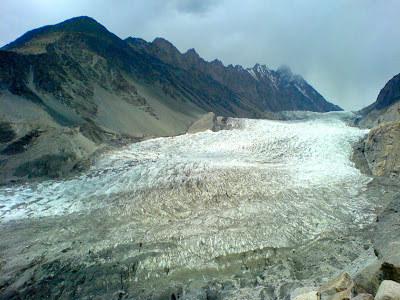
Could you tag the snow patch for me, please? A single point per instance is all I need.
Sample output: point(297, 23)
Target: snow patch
point(252, 73)
point(303, 91)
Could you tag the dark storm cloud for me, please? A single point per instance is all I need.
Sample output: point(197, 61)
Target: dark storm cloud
point(195, 6)
point(346, 49)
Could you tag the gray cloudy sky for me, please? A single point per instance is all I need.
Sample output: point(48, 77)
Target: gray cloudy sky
point(346, 49)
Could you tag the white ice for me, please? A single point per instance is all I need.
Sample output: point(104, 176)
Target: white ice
point(257, 174)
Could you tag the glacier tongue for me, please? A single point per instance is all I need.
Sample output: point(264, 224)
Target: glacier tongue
point(229, 200)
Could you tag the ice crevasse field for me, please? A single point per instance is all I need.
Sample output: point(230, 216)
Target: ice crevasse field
point(267, 205)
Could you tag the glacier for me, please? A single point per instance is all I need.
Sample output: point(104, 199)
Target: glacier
point(256, 210)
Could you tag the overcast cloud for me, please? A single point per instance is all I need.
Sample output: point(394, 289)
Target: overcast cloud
point(346, 49)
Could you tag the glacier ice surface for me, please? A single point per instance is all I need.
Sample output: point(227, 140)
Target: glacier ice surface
point(262, 187)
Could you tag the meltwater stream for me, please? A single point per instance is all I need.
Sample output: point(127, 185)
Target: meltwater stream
point(248, 212)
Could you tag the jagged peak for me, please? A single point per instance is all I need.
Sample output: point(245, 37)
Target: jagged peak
point(260, 68)
point(239, 68)
point(162, 41)
point(137, 43)
point(136, 39)
point(192, 52)
point(217, 62)
point(165, 45)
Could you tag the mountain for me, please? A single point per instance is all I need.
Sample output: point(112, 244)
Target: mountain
point(386, 108)
point(70, 90)
point(269, 90)
point(389, 95)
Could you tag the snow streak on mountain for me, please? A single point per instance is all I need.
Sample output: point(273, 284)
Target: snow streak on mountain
point(261, 202)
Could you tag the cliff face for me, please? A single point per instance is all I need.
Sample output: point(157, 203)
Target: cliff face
point(382, 147)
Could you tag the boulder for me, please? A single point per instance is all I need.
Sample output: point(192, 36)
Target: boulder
point(337, 284)
point(368, 279)
point(388, 290)
point(314, 295)
point(302, 291)
point(343, 295)
point(208, 122)
point(339, 287)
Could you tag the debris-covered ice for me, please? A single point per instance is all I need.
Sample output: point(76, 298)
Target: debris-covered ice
point(215, 196)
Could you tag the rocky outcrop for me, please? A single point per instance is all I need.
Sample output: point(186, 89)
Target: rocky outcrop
point(338, 288)
point(386, 115)
point(44, 153)
point(386, 108)
point(382, 149)
point(342, 288)
point(313, 295)
point(208, 122)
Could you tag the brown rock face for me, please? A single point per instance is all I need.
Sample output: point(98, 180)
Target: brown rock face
point(339, 287)
point(382, 149)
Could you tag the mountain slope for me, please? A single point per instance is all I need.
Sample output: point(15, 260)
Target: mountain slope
point(389, 95)
point(386, 108)
point(78, 81)
point(270, 90)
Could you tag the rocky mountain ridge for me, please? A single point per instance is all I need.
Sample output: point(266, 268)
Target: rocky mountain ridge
point(271, 90)
point(390, 94)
